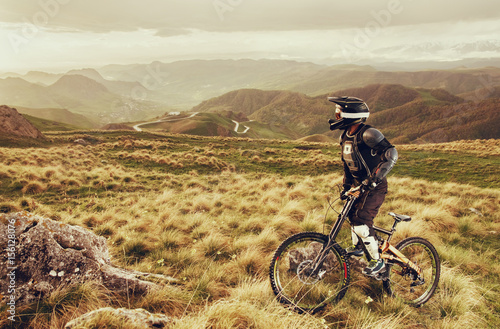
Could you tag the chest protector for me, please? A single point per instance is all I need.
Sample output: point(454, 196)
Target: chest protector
point(360, 158)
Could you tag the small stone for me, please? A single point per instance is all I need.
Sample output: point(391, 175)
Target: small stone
point(53, 273)
point(477, 212)
point(60, 274)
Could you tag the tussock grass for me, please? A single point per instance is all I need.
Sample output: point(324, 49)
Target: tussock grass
point(214, 224)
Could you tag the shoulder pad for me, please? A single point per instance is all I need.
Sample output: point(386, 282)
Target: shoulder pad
point(372, 137)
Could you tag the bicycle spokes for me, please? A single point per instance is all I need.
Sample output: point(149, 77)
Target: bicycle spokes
point(305, 275)
point(416, 281)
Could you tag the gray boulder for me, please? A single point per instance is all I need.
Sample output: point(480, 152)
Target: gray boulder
point(44, 255)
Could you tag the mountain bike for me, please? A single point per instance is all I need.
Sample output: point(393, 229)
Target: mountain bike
point(310, 270)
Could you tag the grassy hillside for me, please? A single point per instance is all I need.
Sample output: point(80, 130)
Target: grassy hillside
point(210, 211)
point(47, 125)
point(220, 123)
point(61, 116)
point(404, 114)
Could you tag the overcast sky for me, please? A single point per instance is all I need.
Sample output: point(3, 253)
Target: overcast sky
point(61, 34)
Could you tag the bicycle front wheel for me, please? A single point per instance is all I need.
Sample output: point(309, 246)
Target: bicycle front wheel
point(404, 283)
point(294, 280)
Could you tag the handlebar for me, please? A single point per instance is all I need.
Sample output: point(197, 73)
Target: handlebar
point(355, 192)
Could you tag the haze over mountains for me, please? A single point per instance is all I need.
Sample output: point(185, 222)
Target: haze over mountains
point(286, 97)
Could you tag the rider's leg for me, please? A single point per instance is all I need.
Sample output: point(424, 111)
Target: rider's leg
point(367, 235)
point(371, 244)
point(361, 219)
point(354, 249)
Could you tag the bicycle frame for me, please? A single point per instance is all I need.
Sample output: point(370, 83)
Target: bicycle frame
point(388, 251)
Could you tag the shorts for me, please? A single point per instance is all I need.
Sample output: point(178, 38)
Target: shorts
point(367, 205)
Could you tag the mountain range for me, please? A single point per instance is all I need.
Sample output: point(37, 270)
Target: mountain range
point(406, 115)
point(287, 94)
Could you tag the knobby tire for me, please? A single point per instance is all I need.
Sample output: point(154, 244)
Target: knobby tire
point(401, 282)
point(292, 280)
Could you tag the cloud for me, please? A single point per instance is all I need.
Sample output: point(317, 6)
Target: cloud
point(176, 17)
point(90, 32)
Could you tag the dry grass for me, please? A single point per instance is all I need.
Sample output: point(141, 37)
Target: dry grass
point(216, 233)
point(479, 147)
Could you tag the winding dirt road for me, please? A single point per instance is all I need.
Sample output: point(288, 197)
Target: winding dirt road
point(136, 127)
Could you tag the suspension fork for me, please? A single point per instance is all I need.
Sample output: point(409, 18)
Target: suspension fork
point(320, 259)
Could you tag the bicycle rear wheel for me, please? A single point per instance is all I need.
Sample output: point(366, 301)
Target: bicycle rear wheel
point(404, 283)
point(292, 277)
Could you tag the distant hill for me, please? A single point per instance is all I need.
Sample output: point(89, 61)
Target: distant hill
point(81, 95)
point(60, 115)
point(45, 125)
point(187, 83)
point(124, 88)
point(482, 93)
point(183, 84)
point(79, 87)
point(283, 108)
point(454, 81)
point(404, 114)
point(419, 122)
point(220, 123)
point(138, 92)
point(37, 77)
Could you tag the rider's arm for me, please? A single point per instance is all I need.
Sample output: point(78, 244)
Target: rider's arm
point(387, 152)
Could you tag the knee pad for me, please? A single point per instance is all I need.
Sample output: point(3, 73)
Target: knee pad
point(369, 240)
point(363, 231)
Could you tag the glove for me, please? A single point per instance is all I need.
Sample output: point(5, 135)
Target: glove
point(343, 194)
point(369, 184)
point(330, 122)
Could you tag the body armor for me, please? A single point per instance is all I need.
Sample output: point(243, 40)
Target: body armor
point(366, 154)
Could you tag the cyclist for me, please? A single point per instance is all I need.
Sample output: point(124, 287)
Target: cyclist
point(367, 157)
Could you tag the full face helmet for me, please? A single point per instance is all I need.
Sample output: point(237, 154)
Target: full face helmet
point(348, 111)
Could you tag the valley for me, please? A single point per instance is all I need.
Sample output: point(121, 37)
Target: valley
point(285, 99)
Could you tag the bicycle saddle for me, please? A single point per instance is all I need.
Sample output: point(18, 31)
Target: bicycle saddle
point(400, 218)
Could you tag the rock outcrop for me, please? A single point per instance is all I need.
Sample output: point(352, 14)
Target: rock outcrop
point(137, 318)
point(14, 124)
point(42, 255)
